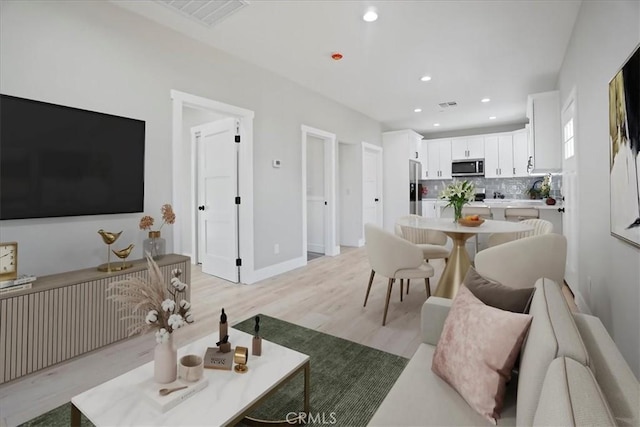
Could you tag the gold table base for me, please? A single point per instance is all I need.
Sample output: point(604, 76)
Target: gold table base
point(457, 266)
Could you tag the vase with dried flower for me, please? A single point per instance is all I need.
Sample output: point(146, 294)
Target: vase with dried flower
point(150, 304)
point(155, 244)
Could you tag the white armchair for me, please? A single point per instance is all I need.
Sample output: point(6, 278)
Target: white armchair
point(395, 258)
point(540, 226)
point(522, 262)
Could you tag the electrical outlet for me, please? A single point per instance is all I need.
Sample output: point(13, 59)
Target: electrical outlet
point(276, 248)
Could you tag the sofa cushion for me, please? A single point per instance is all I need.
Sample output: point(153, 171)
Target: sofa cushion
point(477, 349)
point(421, 398)
point(615, 378)
point(498, 295)
point(571, 397)
point(553, 333)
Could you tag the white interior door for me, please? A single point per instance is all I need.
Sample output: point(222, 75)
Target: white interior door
point(217, 190)
point(372, 186)
point(316, 222)
point(570, 191)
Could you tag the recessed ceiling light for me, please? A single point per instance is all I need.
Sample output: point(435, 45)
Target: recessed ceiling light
point(436, 124)
point(425, 78)
point(417, 110)
point(485, 100)
point(492, 117)
point(370, 16)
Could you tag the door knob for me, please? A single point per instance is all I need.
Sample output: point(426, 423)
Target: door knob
point(561, 210)
point(376, 199)
point(201, 208)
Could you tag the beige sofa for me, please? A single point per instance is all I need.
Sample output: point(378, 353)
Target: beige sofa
point(571, 374)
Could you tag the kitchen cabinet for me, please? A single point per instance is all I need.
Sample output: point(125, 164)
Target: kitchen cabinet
point(520, 153)
point(438, 159)
point(467, 148)
point(498, 162)
point(545, 139)
point(430, 209)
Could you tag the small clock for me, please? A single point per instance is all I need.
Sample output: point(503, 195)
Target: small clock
point(8, 261)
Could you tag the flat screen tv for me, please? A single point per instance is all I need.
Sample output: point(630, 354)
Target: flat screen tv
point(60, 161)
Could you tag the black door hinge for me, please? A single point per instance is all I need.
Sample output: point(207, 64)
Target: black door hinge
point(238, 262)
point(237, 138)
point(237, 200)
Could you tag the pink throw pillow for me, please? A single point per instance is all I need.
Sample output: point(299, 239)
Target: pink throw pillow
point(477, 349)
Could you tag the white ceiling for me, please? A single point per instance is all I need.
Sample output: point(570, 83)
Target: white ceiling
point(503, 50)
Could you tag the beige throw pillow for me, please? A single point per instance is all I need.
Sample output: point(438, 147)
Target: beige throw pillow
point(477, 349)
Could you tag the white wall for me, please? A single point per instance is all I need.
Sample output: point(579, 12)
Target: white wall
point(604, 35)
point(97, 56)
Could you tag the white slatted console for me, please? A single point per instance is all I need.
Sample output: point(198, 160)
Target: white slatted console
point(65, 315)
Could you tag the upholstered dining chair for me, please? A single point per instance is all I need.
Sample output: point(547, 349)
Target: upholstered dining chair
point(395, 258)
point(540, 226)
point(522, 262)
point(520, 214)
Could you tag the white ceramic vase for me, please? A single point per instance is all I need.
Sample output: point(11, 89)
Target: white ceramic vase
point(165, 362)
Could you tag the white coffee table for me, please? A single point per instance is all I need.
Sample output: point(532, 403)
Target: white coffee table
point(225, 401)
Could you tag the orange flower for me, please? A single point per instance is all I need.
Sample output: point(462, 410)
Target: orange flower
point(146, 222)
point(167, 214)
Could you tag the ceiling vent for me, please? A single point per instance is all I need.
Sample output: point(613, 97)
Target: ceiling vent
point(450, 104)
point(205, 12)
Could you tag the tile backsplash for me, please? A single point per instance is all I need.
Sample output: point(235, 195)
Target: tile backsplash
point(512, 188)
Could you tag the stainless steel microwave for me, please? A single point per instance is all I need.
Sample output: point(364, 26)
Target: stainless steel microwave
point(467, 167)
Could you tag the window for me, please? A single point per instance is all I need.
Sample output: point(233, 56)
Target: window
point(568, 140)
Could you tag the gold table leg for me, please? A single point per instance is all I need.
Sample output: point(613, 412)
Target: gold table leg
point(456, 268)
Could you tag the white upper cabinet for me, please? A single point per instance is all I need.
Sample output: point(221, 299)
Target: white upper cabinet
point(467, 148)
point(545, 142)
point(438, 159)
point(520, 153)
point(498, 162)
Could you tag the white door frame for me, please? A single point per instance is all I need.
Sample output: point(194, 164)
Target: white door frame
point(245, 172)
point(331, 246)
point(378, 151)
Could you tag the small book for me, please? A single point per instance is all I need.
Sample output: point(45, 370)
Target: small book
point(20, 280)
point(215, 359)
point(15, 288)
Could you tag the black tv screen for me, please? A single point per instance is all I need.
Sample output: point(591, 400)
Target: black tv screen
point(61, 161)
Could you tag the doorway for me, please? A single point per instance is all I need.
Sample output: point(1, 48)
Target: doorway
point(319, 192)
point(185, 185)
point(371, 185)
point(570, 191)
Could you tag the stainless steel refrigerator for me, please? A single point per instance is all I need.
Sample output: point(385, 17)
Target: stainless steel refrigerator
point(415, 188)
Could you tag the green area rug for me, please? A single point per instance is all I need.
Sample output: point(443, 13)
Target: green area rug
point(348, 380)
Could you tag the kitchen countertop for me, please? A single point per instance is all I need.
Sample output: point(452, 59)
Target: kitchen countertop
point(504, 203)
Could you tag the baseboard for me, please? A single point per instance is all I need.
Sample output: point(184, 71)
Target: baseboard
point(274, 270)
point(311, 247)
point(581, 303)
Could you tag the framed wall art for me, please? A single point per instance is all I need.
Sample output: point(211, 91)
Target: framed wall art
point(624, 145)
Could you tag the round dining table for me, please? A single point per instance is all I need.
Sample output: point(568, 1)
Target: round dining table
point(456, 268)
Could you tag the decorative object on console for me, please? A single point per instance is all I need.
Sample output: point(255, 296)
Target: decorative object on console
point(8, 261)
point(240, 358)
point(123, 254)
point(224, 345)
point(145, 302)
point(256, 343)
point(190, 368)
point(214, 358)
point(624, 146)
point(155, 244)
point(458, 194)
point(223, 329)
point(108, 238)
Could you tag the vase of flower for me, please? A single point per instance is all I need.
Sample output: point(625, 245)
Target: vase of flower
point(165, 360)
point(458, 194)
point(155, 245)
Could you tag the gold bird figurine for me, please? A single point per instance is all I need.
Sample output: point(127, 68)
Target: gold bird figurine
point(123, 253)
point(109, 237)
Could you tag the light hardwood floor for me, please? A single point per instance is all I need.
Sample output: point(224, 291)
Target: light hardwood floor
point(326, 295)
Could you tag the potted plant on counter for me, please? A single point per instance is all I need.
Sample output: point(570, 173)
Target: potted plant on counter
point(545, 190)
